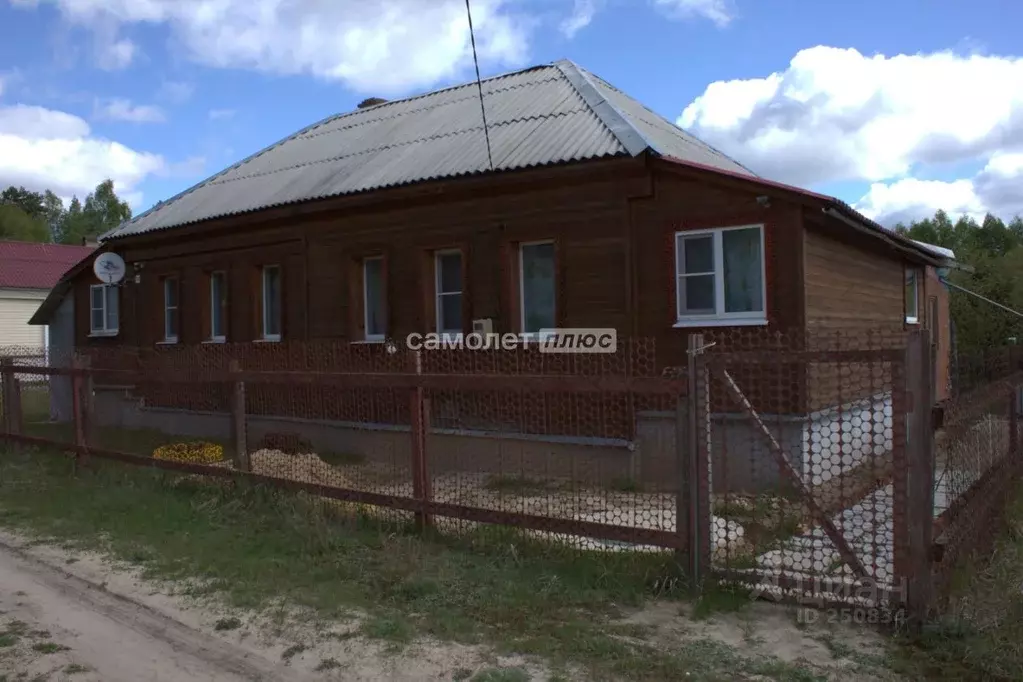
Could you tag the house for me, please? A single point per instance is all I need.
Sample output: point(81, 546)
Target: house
point(586, 210)
point(28, 272)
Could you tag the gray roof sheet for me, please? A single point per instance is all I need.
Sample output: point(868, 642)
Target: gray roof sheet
point(556, 113)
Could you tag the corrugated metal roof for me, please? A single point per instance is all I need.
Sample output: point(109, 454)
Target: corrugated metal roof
point(30, 265)
point(544, 115)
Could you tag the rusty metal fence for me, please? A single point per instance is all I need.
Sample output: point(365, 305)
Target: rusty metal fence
point(802, 466)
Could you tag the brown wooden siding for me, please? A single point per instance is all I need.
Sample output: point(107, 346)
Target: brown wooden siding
point(855, 295)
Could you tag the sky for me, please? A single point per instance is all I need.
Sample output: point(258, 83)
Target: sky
point(899, 107)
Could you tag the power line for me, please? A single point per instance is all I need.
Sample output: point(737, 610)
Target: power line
point(479, 85)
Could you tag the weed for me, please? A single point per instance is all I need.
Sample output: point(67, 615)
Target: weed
point(292, 651)
point(73, 668)
point(48, 647)
point(327, 664)
point(461, 674)
point(720, 599)
point(8, 639)
point(501, 675)
point(391, 629)
point(231, 623)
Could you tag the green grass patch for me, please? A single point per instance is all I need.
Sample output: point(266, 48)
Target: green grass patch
point(73, 668)
point(258, 548)
point(134, 441)
point(980, 636)
point(48, 647)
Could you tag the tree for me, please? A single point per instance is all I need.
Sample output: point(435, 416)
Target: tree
point(101, 212)
point(29, 202)
point(17, 225)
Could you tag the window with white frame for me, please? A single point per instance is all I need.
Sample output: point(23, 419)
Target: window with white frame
point(912, 296)
point(374, 300)
point(103, 310)
point(218, 306)
point(170, 309)
point(536, 286)
point(720, 276)
point(448, 284)
point(272, 303)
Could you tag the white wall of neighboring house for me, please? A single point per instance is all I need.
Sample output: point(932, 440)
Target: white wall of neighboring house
point(16, 307)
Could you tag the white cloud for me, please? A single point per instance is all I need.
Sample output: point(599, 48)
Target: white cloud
point(996, 189)
point(835, 114)
point(119, 109)
point(582, 14)
point(378, 47)
point(115, 55)
point(721, 12)
point(220, 114)
point(46, 149)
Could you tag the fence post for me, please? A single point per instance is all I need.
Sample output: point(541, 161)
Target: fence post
point(17, 424)
point(919, 485)
point(88, 401)
point(1014, 420)
point(238, 427)
point(419, 427)
point(78, 410)
point(683, 502)
point(6, 384)
point(698, 488)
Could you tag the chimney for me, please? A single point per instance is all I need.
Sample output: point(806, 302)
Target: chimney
point(90, 242)
point(370, 102)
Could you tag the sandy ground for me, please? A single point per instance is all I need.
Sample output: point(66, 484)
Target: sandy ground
point(76, 616)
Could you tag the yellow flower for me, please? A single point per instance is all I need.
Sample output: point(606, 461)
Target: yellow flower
point(196, 453)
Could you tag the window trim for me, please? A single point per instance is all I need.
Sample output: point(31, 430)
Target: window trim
point(914, 275)
point(214, 306)
point(522, 289)
point(366, 336)
point(104, 331)
point(167, 282)
point(263, 302)
point(719, 318)
point(437, 293)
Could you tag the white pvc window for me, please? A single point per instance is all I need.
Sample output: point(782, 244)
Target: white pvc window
point(912, 296)
point(374, 301)
point(272, 303)
point(170, 309)
point(720, 276)
point(103, 310)
point(448, 284)
point(536, 287)
point(218, 306)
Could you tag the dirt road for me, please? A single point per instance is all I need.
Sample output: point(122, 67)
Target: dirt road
point(55, 626)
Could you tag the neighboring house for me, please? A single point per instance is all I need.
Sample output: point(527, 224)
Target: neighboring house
point(598, 212)
point(28, 271)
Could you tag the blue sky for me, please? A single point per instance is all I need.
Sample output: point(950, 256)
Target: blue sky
point(893, 106)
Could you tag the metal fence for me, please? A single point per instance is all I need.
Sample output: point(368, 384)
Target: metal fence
point(803, 466)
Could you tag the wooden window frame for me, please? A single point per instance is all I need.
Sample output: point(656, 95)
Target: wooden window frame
point(522, 285)
point(167, 284)
point(912, 274)
point(263, 302)
point(104, 330)
point(366, 336)
point(214, 307)
point(437, 293)
point(720, 318)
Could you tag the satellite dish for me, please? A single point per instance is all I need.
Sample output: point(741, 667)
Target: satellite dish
point(109, 268)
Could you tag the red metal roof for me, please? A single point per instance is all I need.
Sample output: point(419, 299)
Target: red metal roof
point(29, 265)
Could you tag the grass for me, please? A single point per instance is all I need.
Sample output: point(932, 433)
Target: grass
point(227, 624)
point(981, 635)
point(73, 668)
point(48, 647)
point(501, 675)
point(255, 547)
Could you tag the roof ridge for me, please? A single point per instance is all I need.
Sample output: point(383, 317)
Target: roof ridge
point(617, 123)
point(655, 114)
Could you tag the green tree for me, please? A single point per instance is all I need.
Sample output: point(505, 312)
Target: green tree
point(17, 225)
point(29, 202)
point(102, 211)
